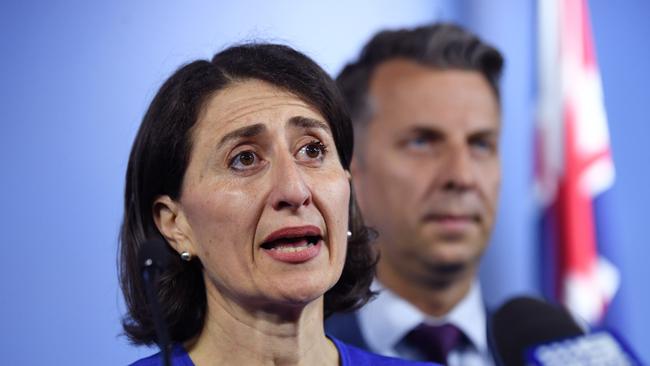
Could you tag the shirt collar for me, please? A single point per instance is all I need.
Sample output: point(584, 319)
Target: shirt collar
point(398, 317)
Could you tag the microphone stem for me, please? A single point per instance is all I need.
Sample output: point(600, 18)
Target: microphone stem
point(159, 323)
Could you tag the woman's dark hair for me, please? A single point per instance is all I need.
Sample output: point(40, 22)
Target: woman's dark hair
point(441, 46)
point(157, 164)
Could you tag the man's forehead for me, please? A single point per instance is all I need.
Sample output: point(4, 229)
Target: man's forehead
point(401, 67)
point(399, 129)
point(399, 74)
point(405, 88)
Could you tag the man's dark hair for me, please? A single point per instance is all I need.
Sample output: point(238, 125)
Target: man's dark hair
point(157, 164)
point(441, 46)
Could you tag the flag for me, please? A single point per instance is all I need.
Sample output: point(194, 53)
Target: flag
point(574, 162)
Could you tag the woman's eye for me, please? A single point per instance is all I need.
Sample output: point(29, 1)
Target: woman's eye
point(314, 150)
point(243, 160)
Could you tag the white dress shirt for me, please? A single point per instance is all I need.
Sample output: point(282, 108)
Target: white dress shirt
point(386, 320)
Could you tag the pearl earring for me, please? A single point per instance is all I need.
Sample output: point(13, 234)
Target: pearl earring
point(349, 234)
point(186, 256)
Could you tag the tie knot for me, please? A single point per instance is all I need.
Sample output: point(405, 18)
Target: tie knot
point(435, 341)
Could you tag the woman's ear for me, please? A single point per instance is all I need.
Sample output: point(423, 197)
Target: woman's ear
point(172, 224)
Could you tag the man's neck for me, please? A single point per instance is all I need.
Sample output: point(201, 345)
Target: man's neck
point(433, 296)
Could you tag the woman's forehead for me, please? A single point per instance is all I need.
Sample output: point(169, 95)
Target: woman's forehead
point(252, 102)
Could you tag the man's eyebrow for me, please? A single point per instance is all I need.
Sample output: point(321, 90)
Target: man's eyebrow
point(429, 131)
point(306, 122)
point(426, 131)
point(486, 132)
point(243, 132)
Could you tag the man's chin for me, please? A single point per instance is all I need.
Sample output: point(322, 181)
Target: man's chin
point(449, 256)
point(441, 272)
point(448, 268)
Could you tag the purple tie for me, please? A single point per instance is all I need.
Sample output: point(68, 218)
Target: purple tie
point(435, 342)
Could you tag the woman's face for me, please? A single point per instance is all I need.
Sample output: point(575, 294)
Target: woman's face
point(264, 202)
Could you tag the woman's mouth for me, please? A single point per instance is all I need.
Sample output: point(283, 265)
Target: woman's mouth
point(294, 244)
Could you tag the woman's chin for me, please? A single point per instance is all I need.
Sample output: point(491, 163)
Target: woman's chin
point(299, 294)
point(304, 295)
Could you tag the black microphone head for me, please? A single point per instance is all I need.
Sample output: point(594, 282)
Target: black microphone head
point(154, 254)
point(524, 322)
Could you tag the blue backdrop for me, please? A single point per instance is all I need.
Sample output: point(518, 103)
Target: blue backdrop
point(76, 77)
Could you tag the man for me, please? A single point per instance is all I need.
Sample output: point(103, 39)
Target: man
point(426, 170)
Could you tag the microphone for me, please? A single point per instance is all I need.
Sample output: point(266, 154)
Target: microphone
point(153, 260)
point(528, 331)
point(596, 348)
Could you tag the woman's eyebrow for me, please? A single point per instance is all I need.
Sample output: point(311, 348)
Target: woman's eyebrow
point(306, 122)
point(246, 132)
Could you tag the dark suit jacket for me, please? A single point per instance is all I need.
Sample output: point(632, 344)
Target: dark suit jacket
point(345, 326)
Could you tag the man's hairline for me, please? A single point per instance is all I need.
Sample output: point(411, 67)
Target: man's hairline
point(361, 121)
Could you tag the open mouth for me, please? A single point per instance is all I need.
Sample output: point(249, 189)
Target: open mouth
point(292, 244)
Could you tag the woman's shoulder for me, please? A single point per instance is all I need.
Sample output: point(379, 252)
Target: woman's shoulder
point(351, 355)
point(179, 357)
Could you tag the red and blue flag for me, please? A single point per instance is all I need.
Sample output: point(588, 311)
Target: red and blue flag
point(574, 161)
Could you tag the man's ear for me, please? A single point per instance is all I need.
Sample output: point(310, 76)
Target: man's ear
point(355, 176)
point(357, 164)
point(354, 166)
point(172, 224)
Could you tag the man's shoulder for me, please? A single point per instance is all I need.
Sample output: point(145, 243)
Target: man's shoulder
point(351, 355)
point(345, 327)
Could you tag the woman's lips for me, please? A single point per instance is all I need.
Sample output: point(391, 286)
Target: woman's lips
point(293, 232)
point(293, 244)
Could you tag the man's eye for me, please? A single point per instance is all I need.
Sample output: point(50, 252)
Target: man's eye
point(419, 141)
point(314, 150)
point(483, 145)
point(243, 160)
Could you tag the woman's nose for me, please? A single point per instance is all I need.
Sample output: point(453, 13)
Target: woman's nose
point(289, 189)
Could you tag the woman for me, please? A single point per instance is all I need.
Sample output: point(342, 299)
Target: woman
point(241, 165)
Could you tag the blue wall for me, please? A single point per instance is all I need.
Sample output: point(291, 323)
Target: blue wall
point(77, 76)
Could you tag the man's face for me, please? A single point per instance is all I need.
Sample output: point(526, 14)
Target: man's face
point(427, 171)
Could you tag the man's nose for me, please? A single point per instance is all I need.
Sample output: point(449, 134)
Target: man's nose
point(458, 173)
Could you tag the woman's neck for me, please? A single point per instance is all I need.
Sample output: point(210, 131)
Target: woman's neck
point(235, 335)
